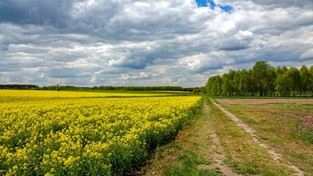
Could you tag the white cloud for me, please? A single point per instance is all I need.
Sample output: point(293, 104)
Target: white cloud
point(244, 35)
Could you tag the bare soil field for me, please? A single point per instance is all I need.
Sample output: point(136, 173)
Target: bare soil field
point(264, 101)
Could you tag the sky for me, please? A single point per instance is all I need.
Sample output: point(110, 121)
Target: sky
point(148, 42)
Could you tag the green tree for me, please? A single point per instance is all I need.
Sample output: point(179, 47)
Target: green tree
point(262, 80)
point(196, 91)
point(292, 77)
point(305, 80)
point(280, 85)
point(270, 83)
point(236, 82)
point(245, 83)
point(284, 69)
point(227, 88)
point(278, 70)
point(214, 86)
point(280, 81)
point(262, 74)
point(311, 79)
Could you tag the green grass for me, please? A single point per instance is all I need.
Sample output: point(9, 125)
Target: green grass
point(188, 166)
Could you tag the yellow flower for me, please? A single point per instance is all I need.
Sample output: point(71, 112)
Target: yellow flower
point(63, 126)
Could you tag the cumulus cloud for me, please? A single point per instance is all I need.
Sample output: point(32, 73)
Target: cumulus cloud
point(107, 42)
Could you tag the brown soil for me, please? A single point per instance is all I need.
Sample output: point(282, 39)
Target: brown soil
point(307, 124)
point(264, 101)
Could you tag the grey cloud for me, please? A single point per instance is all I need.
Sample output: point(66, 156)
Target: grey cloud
point(286, 3)
point(90, 42)
point(65, 72)
point(136, 62)
point(35, 12)
point(304, 4)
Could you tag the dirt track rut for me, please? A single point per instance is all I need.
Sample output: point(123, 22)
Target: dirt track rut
point(219, 156)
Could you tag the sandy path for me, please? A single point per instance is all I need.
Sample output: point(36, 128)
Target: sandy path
point(218, 157)
point(273, 154)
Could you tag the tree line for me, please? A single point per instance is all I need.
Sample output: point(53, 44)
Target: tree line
point(263, 80)
point(119, 88)
point(18, 86)
point(104, 88)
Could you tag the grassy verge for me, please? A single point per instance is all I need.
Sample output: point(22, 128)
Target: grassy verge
point(285, 127)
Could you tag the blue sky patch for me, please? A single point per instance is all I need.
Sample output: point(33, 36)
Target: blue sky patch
point(202, 3)
point(212, 5)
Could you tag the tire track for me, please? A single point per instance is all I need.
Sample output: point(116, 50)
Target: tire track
point(218, 157)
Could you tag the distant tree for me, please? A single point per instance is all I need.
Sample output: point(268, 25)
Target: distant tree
point(227, 88)
point(236, 82)
point(262, 74)
point(252, 86)
point(263, 80)
point(196, 91)
point(284, 69)
point(19, 86)
point(214, 86)
point(281, 85)
point(311, 79)
point(292, 77)
point(270, 83)
point(203, 90)
point(233, 82)
point(278, 70)
point(217, 89)
point(245, 83)
point(305, 80)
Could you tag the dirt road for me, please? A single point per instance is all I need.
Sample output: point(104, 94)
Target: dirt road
point(273, 154)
